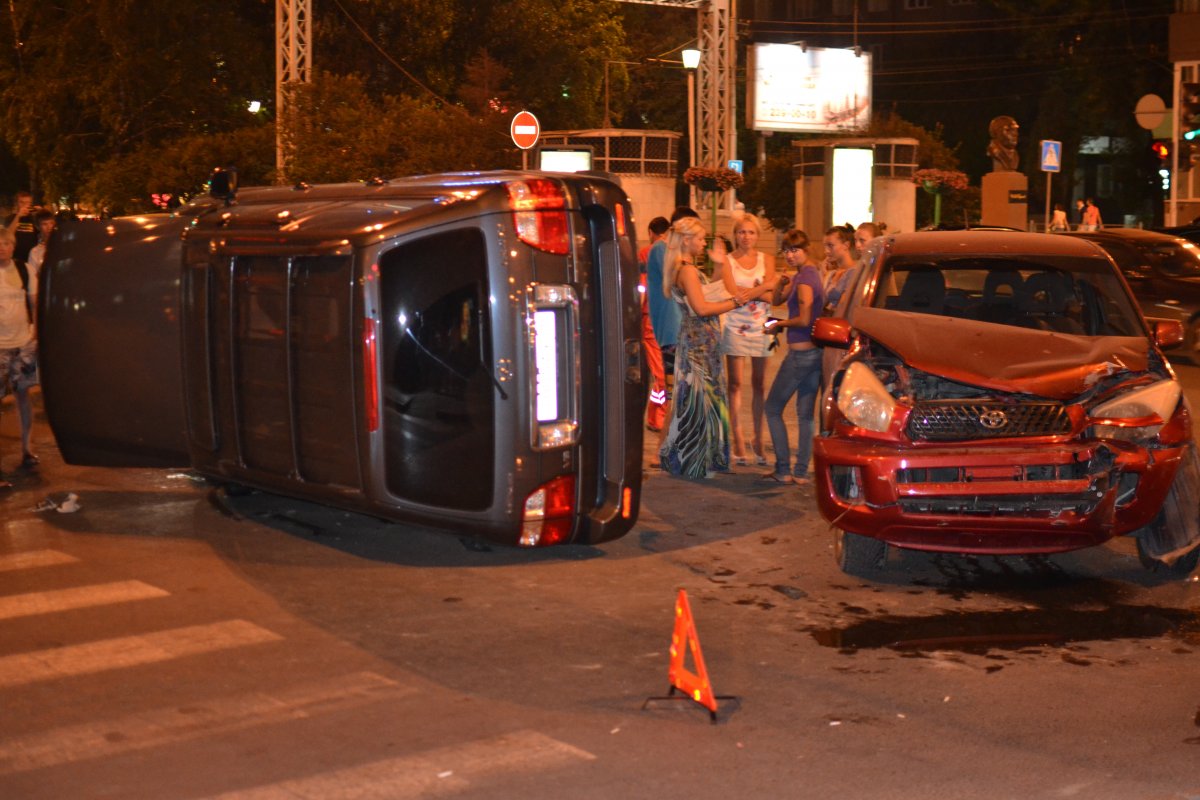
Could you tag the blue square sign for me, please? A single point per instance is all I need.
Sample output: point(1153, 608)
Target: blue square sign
point(1051, 155)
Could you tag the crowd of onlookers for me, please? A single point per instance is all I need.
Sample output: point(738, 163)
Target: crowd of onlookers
point(23, 236)
point(709, 326)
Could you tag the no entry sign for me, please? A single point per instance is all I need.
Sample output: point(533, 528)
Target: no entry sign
point(524, 130)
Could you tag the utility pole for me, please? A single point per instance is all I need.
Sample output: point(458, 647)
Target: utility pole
point(716, 24)
point(293, 64)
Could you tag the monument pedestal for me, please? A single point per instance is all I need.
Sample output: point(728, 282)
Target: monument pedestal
point(1005, 200)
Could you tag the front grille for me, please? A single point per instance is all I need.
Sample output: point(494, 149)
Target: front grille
point(954, 420)
point(1015, 505)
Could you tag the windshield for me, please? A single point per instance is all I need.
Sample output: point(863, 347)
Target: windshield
point(1180, 259)
point(1076, 296)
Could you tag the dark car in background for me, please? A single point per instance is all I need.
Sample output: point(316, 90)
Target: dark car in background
point(1163, 270)
point(1000, 393)
point(458, 350)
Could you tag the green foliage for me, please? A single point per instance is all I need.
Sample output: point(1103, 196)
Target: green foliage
point(123, 184)
point(94, 80)
point(343, 133)
point(770, 191)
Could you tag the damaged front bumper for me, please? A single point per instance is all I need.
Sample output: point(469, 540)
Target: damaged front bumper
point(1026, 497)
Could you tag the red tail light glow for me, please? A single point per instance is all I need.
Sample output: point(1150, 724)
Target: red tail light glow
point(370, 378)
point(549, 513)
point(540, 214)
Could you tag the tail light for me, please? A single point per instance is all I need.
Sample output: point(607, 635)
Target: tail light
point(370, 376)
point(539, 209)
point(549, 513)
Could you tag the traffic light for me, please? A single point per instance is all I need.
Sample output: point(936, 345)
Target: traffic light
point(1189, 110)
point(1189, 153)
point(1161, 150)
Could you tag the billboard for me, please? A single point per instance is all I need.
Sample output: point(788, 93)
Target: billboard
point(807, 89)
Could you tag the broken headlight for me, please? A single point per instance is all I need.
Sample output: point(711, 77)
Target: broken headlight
point(864, 400)
point(1136, 415)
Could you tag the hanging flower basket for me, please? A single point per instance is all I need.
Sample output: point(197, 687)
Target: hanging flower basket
point(713, 179)
point(938, 182)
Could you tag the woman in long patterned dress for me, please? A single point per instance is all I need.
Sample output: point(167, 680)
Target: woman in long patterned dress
point(697, 442)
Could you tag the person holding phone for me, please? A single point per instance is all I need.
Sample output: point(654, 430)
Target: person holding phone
point(697, 440)
point(800, 372)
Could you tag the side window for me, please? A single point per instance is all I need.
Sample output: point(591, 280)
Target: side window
point(439, 397)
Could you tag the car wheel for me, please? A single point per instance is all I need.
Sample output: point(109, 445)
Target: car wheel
point(857, 554)
point(1177, 524)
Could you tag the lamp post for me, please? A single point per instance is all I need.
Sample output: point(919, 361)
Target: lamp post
point(691, 60)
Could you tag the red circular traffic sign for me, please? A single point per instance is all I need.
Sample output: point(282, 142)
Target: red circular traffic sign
point(524, 130)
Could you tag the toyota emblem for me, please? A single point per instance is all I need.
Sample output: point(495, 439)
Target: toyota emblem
point(993, 420)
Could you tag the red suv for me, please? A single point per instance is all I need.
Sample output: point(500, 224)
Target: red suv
point(1000, 393)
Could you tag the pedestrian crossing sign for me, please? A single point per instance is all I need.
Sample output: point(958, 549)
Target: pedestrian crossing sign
point(1051, 155)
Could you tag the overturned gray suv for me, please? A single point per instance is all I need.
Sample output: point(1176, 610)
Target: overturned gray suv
point(458, 350)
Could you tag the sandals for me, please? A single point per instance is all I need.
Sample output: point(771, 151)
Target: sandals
point(772, 477)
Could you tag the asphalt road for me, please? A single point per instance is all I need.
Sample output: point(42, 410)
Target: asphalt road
point(164, 643)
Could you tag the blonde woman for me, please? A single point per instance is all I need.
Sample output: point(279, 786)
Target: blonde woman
point(697, 440)
point(751, 278)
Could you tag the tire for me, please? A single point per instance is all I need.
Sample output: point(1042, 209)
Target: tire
point(858, 555)
point(1182, 568)
point(1180, 515)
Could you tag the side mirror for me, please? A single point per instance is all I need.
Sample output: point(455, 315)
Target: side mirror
point(1167, 333)
point(831, 332)
point(222, 184)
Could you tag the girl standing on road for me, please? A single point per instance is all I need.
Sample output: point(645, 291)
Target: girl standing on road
point(743, 335)
point(800, 372)
point(697, 441)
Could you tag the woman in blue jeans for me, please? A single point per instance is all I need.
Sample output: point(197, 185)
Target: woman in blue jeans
point(800, 372)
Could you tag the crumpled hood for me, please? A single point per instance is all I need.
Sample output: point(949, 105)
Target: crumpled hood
point(1002, 357)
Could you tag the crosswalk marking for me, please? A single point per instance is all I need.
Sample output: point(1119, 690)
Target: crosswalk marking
point(28, 605)
point(214, 717)
point(129, 651)
point(34, 558)
point(433, 772)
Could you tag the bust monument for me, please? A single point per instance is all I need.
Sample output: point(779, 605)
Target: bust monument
point(1003, 147)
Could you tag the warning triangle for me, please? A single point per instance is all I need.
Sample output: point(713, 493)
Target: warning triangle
point(684, 640)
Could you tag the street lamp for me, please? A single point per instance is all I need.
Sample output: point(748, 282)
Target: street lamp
point(691, 60)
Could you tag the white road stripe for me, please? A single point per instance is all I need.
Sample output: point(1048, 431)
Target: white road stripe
point(28, 605)
point(34, 558)
point(168, 726)
point(129, 651)
point(434, 772)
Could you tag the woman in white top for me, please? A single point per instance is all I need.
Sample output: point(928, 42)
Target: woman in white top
point(750, 278)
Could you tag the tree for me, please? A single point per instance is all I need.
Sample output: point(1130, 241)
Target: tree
point(85, 81)
point(344, 133)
